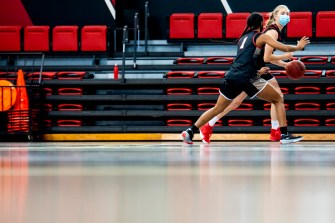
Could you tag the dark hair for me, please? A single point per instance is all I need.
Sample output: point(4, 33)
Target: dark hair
point(254, 21)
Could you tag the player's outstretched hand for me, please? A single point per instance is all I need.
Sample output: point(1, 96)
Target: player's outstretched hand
point(303, 42)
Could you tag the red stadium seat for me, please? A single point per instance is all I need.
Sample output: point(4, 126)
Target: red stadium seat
point(181, 26)
point(70, 91)
point(245, 106)
point(70, 75)
point(69, 123)
point(47, 107)
point(314, 59)
point(279, 73)
point(70, 107)
point(285, 90)
point(267, 122)
point(9, 76)
point(36, 38)
point(267, 106)
point(307, 106)
point(210, 25)
point(179, 74)
point(178, 122)
point(300, 25)
point(210, 74)
point(94, 38)
point(47, 123)
point(330, 90)
point(306, 122)
point(205, 106)
point(179, 106)
point(266, 16)
point(235, 24)
point(45, 75)
point(208, 90)
point(218, 123)
point(330, 122)
point(307, 90)
point(333, 59)
point(330, 73)
point(240, 122)
point(65, 38)
point(219, 60)
point(190, 60)
point(330, 106)
point(324, 22)
point(179, 91)
point(313, 73)
point(10, 38)
point(47, 91)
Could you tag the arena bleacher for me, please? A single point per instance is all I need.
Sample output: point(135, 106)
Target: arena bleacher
point(171, 86)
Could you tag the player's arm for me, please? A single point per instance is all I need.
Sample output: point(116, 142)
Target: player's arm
point(279, 63)
point(268, 51)
point(266, 39)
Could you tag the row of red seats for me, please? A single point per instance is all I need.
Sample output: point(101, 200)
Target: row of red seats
point(308, 89)
point(46, 75)
point(64, 38)
point(210, 25)
point(249, 106)
point(229, 60)
point(231, 122)
point(221, 74)
point(63, 123)
point(250, 122)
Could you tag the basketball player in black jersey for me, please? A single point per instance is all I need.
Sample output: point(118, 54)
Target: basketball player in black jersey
point(278, 18)
point(243, 77)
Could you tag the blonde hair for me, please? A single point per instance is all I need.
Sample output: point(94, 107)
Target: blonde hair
point(273, 13)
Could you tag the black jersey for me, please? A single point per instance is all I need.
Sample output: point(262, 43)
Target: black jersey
point(275, 27)
point(260, 62)
point(245, 63)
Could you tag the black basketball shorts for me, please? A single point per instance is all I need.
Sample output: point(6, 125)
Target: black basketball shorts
point(231, 88)
point(267, 76)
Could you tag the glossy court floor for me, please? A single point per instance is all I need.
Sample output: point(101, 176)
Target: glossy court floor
point(167, 182)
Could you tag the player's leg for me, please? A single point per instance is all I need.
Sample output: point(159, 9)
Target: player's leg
point(207, 129)
point(221, 104)
point(275, 130)
point(268, 93)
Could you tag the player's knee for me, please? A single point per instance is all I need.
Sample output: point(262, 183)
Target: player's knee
point(278, 99)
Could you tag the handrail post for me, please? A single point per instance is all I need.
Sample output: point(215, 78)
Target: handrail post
point(136, 27)
point(146, 15)
point(124, 41)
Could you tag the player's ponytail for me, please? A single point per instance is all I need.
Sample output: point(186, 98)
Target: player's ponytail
point(254, 22)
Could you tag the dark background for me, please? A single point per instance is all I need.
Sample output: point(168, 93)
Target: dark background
point(95, 12)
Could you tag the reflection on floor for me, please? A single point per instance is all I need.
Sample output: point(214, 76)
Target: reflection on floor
point(167, 182)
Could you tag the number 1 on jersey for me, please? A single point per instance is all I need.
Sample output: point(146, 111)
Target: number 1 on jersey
point(242, 45)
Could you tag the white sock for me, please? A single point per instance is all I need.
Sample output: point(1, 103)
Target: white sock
point(274, 124)
point(213, 121)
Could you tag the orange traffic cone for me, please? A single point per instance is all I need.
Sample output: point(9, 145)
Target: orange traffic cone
point(19, 115)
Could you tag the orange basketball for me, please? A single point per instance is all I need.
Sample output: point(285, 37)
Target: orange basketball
point(295, 70)
point(7, 95)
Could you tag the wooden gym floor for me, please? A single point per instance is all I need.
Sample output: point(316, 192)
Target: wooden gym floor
point(167, 182)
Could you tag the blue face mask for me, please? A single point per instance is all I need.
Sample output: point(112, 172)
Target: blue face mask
point(284, 19)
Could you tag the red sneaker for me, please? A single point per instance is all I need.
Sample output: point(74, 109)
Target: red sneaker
point(275, 135)
point(206, 133)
